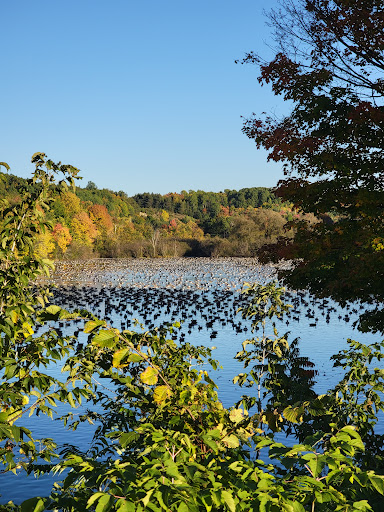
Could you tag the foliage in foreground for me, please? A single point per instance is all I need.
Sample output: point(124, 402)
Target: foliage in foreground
point(164, 441)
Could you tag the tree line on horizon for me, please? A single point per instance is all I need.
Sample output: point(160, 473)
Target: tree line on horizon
point(91, 222)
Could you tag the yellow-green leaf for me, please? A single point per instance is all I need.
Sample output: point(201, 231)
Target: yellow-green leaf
point(53, 310)
point(33, 505)
point(14, 316)
point(236, 415)
point(161, 393)
point(293, 414)
point(71, 400)
point(149, 376)
point(104, 503)
point(119, 356)
point(105, 338)
point(228, 500)
point(93, 324)
point(146, 498)
point(94, 498)
point(231, 441)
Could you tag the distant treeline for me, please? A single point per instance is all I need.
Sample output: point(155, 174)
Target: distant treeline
point(96, 222)
point(199, 204)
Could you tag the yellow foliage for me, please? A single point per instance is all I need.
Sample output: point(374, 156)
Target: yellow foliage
point(45, 245)
point(62, 237)
point(164, 216)
point(378, 244)
point(149, 376)
point(83, 229)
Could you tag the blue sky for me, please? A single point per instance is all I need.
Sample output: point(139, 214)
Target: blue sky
point(142, 96)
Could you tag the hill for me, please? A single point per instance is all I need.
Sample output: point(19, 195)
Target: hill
point(93, 222)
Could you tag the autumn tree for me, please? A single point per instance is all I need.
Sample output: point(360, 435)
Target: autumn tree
point(329, 65)
point(45, 245)
point(83, 229)
point(67, 206)
point(62, 238)
point(100, 216)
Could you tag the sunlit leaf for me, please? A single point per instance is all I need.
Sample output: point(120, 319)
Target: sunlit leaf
point(149, 376)
point(92, 325)
point(105, 338)
point(161, 393)
point(236, 415)
point(120, 356)
point(33, 505)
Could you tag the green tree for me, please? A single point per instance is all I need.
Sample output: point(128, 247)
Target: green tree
point(25, 388)
point(276, 368)
point(91, 186)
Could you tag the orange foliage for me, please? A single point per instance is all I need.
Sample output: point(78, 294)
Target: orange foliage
point(100, 216)
point(225, 211)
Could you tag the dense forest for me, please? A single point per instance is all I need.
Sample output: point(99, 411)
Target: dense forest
point(92, 222)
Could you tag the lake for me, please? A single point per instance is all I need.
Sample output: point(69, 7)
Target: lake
point(204, 294)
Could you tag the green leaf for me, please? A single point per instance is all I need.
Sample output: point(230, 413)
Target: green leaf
point(53, 310)
point(104, 503)
point(315, 463)
point(105, 338)
point(296, 506)
point(92, 325)
point(125, 506)
point(94, 497)
point(119, 356)
point(146, 498)
point(362, 505)
point(228, 501)
point(33, 505)
point(127, 438)
point(135, 358)
point(211, 443)
point(231, 441)
point(377, 482)
point(71, 400)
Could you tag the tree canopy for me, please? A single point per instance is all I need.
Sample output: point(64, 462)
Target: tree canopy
point(329, 64)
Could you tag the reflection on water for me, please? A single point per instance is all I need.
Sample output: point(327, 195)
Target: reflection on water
point(204, 295)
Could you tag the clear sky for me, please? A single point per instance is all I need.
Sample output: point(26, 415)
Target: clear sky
point(142, 96)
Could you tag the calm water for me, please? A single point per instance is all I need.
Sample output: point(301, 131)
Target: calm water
point(205, 295)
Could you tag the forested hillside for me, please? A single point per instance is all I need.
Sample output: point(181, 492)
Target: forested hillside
point(91, 222)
